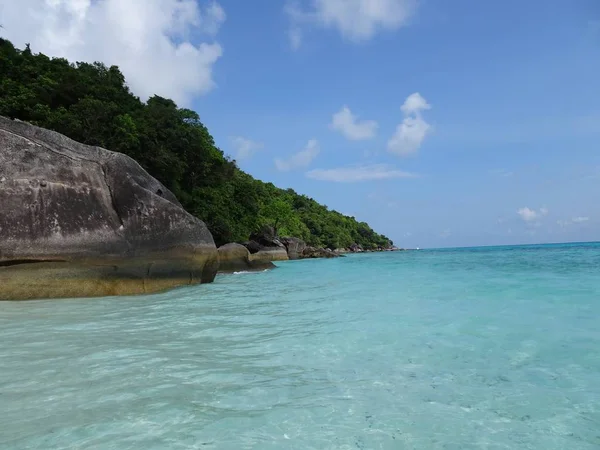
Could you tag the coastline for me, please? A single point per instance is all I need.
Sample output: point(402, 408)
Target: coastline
point(121, 231)
point(266, 247)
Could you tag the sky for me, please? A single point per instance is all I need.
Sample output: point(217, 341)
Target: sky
point(440, 123)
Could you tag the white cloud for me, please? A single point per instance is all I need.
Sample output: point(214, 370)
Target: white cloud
point(150, 40)
point(574, 220)
point(413, 130)
point(355, 20)
point(245, 147)
point(348, 124)
point(579, 219)
point(358, 173)
point(301, 159)
point(530, 215)
point(527, 214)
point(414, 104)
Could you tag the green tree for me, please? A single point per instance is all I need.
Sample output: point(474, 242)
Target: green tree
point(277, 213)
point(92, 103)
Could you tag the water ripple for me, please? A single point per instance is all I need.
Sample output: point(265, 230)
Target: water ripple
point(493, 349)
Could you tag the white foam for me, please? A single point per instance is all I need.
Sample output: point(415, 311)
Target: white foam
point(242, 272)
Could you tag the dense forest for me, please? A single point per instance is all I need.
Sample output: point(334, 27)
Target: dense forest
point(91, 103)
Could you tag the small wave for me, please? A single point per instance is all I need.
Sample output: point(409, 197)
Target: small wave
point(242, 272)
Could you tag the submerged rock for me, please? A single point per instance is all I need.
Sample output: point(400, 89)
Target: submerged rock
point(236, 257)
point(81, 221)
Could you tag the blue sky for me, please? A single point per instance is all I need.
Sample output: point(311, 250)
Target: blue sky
point(439, 123)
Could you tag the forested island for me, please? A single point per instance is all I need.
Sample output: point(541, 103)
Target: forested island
point(92, 104)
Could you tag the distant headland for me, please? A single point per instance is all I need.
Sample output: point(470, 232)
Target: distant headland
point(104, 194)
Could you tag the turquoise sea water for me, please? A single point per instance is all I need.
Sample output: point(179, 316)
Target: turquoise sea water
point(487, 348)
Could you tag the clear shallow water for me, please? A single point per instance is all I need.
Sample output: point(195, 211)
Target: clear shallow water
point(457, 349)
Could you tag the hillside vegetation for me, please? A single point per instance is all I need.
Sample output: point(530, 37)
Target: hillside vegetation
point(92, 104)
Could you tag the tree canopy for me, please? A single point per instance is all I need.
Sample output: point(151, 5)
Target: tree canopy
point(92, 104)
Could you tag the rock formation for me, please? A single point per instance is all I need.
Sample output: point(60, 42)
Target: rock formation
point(312, 252)
point(268, 254)
point(236, 257)
point(264, 246)
point(294, 247)
point(266, 237)
point(355, 248)
point(80, 221)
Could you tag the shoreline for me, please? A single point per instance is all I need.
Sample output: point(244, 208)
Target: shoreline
point(266, 247)
point(235, 258)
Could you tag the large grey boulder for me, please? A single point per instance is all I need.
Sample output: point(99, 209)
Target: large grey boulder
point(236, 257)
point(268, 254)
point(312, 252)
point(264, 254)
point(294, 246)
point(79, 221)
point(264, 246)
point(266, 237)
point(355, 248)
